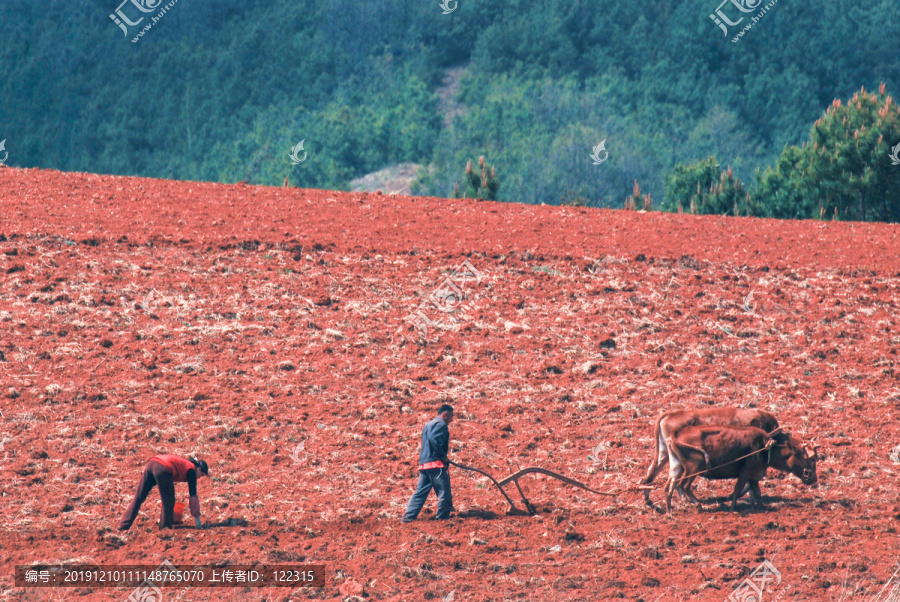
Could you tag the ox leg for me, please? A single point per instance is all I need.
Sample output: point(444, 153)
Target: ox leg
point(738, 488)
point(756, 494)
point(676, 470)
point(687, 488)
point(647, 498)
point(670, 489)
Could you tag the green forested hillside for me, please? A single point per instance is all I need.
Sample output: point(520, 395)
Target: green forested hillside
point(223, 90)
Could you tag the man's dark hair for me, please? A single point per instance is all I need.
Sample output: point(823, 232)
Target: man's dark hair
point(445, 408)
point(201, 465)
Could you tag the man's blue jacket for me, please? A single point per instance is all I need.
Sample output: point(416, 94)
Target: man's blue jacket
point(435, 442)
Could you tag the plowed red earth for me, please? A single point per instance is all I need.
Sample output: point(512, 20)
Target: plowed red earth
point(238, 322)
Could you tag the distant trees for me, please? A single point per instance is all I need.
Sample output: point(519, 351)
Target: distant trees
point(222, 92)
point(844, 171)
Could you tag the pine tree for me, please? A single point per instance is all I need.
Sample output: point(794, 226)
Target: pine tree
point(482, 186)
point(636, 200)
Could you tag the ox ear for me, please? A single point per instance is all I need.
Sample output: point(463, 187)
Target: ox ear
point(811, 451)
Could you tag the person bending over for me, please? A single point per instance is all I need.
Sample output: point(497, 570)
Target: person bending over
point(164, 471)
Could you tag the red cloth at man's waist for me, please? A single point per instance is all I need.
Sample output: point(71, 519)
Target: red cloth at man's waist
point(429, 465)
point(177, 465)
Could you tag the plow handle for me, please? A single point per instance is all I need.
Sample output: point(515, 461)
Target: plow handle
point(493, 480)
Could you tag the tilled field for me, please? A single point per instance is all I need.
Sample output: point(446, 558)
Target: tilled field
point(271, 331)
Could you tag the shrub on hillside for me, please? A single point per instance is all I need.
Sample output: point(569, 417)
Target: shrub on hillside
point(705, 189)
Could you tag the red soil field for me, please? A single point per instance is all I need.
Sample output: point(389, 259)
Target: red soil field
point(268, 331)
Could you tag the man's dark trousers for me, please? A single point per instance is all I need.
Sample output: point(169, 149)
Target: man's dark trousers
point(155, 475)
point(439, 479)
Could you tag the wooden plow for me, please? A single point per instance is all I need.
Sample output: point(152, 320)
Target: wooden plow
point(529, 508)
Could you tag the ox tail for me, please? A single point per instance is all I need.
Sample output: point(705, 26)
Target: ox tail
point(659, 451)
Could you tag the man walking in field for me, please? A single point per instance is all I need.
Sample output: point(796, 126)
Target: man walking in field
point(433, 465)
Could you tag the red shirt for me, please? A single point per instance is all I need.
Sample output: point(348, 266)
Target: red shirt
point(177, 465)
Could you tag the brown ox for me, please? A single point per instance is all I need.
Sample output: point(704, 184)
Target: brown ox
point(669, 424)
point(731, 452)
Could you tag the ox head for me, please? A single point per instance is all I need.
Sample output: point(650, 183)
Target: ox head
point(792, 455)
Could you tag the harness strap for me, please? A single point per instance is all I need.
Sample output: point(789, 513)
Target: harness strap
point(764, 449)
